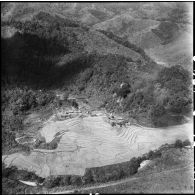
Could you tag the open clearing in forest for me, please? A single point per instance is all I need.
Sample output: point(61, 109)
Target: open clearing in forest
point(93, 142)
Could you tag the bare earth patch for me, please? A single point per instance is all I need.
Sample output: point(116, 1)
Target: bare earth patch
point(92, 142)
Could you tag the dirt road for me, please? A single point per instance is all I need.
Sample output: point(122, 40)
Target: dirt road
point(119, 182)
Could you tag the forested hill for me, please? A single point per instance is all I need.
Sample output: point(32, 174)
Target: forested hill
point(49, 52)
point(48, 42)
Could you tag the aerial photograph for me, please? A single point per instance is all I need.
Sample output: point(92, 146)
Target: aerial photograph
point(97, 97)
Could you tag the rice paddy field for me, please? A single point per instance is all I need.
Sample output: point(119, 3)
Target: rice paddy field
point(91, 141)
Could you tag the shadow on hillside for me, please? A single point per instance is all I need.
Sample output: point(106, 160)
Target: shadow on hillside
point(31, 60)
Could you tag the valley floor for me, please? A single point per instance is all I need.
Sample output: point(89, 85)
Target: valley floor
point(172, 179)
point(86, 141)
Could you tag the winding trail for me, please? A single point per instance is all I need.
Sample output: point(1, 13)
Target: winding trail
point(120, 181)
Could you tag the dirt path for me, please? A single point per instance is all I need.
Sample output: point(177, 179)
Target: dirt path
point(118, 182)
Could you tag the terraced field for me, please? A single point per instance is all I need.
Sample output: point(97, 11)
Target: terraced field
point(92, 142)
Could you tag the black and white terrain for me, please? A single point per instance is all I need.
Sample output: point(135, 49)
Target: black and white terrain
point(96, 94)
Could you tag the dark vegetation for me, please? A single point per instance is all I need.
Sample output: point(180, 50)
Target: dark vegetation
point(179, 14)
point(169, 27)
point(29, 71)
point(53, 181)
point(22, 99)
point(179, 144)
point(37, 49)
point(16, 102)
point(165, 99)
point(98, 14)
point(56, 20)
point(166, 31)
point(177, 82)
point(112, 172)
point(126, 43)
point(10, 177)
point(41, 143)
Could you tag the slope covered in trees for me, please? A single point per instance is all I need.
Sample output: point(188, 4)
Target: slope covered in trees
point(37, 57)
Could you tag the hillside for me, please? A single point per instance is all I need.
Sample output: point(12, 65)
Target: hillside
point(81, 80)
point(58, 39)
point(158, 29)
point(79, 59)
point(86, 12)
